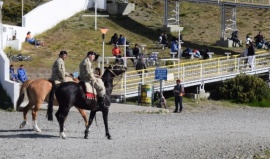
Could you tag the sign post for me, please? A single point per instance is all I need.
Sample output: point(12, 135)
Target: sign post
point(161, 74)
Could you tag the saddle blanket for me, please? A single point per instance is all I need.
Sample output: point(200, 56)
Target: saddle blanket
point(91, 92)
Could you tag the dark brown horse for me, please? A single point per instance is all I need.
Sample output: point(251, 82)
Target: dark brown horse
point(73, 94)
point(37, 92)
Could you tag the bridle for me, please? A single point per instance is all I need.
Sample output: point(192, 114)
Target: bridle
point(120, 76)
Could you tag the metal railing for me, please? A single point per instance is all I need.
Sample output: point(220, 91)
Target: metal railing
point(193, 73)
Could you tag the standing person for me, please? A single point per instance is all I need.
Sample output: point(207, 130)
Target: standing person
point(129, 53)
point(136, 51)
point(140, 66)
point(178, 93)
point(251, 55)
point(59, 73)
point(87, 75)
point(22, 74)
point(245, 53)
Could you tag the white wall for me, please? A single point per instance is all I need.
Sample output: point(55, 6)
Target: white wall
point(12, 88)
point(47, 16)
point(51, 13)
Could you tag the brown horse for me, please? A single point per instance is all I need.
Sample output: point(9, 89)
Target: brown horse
point(37, 91)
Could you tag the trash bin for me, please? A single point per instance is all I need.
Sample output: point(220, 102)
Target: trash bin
point(146, 94)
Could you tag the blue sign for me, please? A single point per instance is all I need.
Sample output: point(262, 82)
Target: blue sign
point(161, 73)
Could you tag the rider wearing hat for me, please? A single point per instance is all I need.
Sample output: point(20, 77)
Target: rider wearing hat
point(87, 74)
point(59, 73)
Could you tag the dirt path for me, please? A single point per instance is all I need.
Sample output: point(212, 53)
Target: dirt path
point(216, 132)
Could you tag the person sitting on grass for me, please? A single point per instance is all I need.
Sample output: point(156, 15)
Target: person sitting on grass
point(13, 75)
point(22, 74)
point(32, 40)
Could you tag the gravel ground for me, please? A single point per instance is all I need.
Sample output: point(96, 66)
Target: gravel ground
point(215, 133)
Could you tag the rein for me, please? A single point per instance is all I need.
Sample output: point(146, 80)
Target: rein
point(115, 76)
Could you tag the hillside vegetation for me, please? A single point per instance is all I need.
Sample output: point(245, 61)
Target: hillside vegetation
point(201, 24)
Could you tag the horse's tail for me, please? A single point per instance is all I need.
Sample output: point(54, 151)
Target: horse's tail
point(23, 89)
point(50, 103)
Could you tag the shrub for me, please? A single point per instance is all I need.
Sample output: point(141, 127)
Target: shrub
point(244, 89)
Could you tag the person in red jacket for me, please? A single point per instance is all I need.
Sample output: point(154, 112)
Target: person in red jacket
point(116, 51)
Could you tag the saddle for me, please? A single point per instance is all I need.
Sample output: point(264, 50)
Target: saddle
point(91, 92)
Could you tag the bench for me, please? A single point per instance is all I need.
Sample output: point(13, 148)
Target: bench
point(210, 54)
point(143, 46)
point(113, 57)
point(154, 52)
point(173, 54)
point(191, 55)
point(228, 55)
point(157, 45)
point(173, 59)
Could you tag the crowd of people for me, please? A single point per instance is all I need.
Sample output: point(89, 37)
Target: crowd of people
point(259, 42)
point(92, 75)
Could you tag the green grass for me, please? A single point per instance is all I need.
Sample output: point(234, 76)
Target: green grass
point(263, 103)
point(77, 36)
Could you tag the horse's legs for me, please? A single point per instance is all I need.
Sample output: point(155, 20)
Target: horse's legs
point(25, 111)
point(61, 117)
point(82, 112)
point(105, 112)
point(34, 117)
point(91, 118)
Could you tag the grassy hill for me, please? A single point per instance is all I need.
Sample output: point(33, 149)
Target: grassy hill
point(77, 36)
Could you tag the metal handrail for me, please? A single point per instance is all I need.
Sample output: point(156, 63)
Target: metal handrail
point(194, 73)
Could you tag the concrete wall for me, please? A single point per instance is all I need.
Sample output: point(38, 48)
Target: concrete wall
point(51, 13)
point(120, 8)
point(12, 88)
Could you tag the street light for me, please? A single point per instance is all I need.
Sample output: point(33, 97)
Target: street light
point(1, 4)
point(103, 31)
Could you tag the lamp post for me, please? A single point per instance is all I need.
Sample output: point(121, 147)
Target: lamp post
point(1, 4)
point(103, 31)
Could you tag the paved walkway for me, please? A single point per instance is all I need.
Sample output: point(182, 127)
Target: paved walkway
point(116, 108)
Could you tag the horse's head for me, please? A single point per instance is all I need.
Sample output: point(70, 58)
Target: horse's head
point(116, 70)
point(111, 72)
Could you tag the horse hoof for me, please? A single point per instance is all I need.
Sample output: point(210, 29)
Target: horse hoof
point(38, 130)
point(23, 124)
point(63, 135)
point(109, 137)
